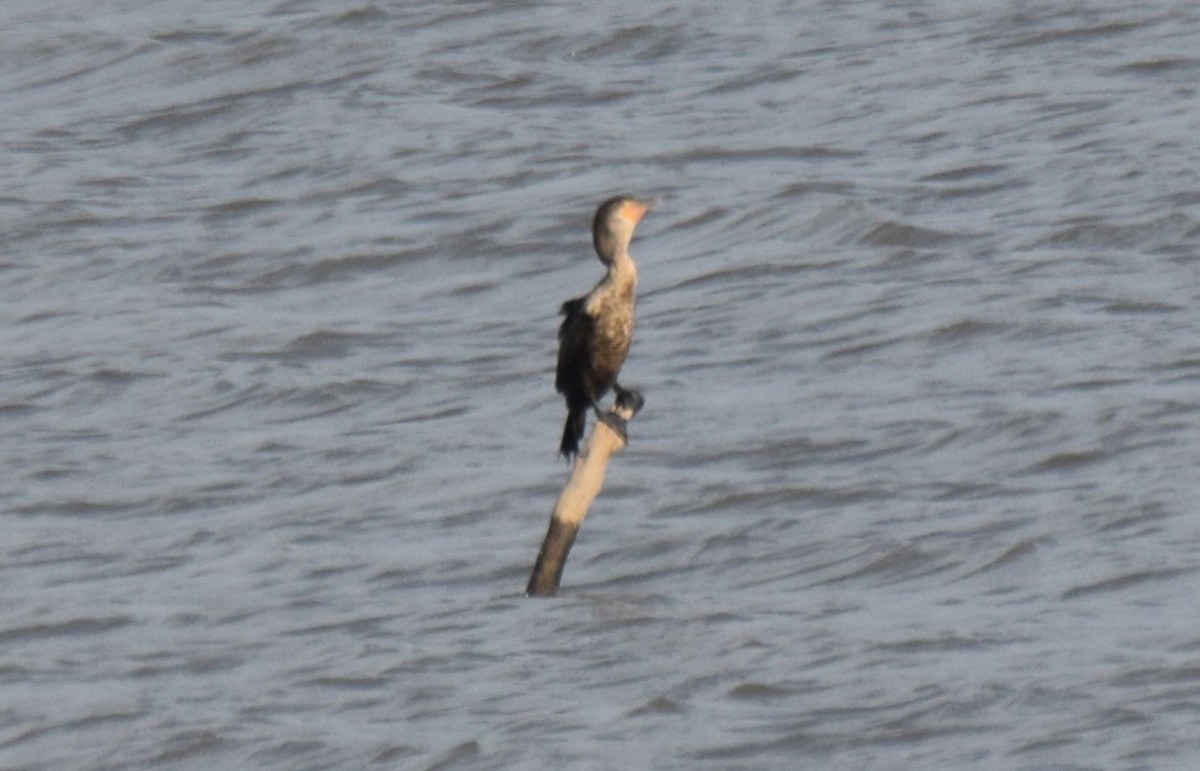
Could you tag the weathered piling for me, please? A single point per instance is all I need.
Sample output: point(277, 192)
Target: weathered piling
point(607, 437)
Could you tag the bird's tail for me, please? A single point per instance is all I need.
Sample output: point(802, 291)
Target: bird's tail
point(573, 432)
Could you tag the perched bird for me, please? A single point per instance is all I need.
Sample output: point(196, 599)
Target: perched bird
point(597, 328)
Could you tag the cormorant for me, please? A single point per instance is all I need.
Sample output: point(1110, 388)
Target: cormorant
point(598, 327)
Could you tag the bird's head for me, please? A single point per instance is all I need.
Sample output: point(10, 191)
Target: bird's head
point(612, 230)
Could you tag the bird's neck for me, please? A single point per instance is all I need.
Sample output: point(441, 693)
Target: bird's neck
point(621, 270)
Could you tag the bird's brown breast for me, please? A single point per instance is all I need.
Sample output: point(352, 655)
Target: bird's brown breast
point(612, 333)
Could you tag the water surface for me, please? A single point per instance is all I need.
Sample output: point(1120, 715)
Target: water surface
point(915, 486)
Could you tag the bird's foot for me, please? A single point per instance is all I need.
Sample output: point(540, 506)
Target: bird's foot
point(615, 422)
point(629, 399)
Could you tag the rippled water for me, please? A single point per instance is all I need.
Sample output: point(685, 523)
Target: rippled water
point(919, 333)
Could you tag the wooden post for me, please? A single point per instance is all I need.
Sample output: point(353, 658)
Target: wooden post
point(587, 476)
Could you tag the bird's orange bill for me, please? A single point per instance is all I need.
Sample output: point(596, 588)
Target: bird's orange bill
point(633, 211)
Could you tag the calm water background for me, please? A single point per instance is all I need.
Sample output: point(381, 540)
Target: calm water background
point(916, 485)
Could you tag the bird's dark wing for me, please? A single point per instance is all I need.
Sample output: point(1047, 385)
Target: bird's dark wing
point(572, 377)
point(573, 336)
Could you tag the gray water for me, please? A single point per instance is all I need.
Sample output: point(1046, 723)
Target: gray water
point(919, 332)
